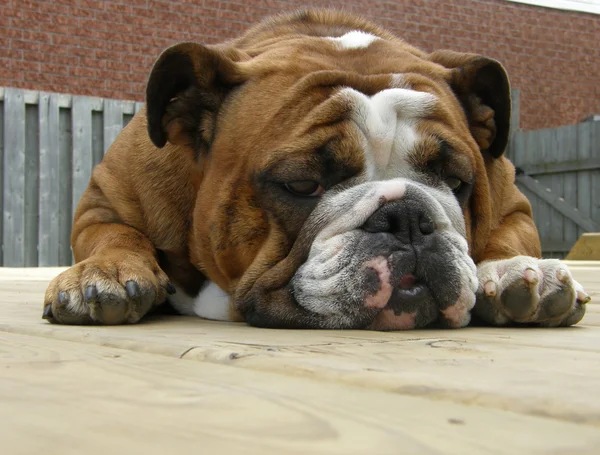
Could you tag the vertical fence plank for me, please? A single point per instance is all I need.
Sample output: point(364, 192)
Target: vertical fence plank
point(31, 199)
point(595, 179)
point(14, 178)
point(515, 122)
point(544, 138)
point(2, 116)
point(567, 150)
point(584, 181)
point(97, 136)
point(82, 147)
point(113, 121)
point(555, 182)
point(48, 236)
point(65, 195)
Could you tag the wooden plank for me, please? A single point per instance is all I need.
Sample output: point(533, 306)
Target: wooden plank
point(31, 194)
point(539, 150)
point(14, 178)
point(1, 176)
point(515, 121)
point(571, 165)
point(97, 136)
point(557, 202)
point(556, 183)
point(65, 178)
point(595, 179)
point(232, 410)
point(587, 248)
point(567, 148)
point(82, 147)
point(48, 238)
point(113, 121)
point(584, 152)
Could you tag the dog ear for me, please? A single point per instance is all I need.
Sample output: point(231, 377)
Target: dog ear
point(482, 86)
point(185, 90)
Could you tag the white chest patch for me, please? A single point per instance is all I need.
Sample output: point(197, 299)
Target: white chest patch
point(388, 122)
point(354, 40)
point(210, 303)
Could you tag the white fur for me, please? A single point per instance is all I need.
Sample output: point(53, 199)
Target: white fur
point(354, 40)
point(388, 122)
point(211, 303)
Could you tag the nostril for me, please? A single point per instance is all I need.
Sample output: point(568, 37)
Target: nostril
point(426, 226)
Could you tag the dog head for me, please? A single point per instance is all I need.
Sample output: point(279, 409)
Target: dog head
point(343, 173)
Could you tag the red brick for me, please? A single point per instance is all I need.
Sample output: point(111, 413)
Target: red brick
point(6, 73)
point(120, 39)
point(117, 8)
point(80, 71)
point(118, 85)
point(25, 45)
point(36, 76)
point(28, 66)
point(12, 54)
point(54, 68)
point(25, 24)
point(54, 8)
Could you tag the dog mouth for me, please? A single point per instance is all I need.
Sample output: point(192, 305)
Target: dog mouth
point(405, 299)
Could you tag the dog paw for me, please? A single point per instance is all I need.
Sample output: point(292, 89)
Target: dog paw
point(114, 287)
point(526, 290)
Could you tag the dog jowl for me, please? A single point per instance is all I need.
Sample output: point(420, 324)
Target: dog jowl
point(317, 172)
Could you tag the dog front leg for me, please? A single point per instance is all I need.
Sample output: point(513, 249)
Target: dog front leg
point(116, 278)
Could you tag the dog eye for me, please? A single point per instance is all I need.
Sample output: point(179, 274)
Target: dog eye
point(454, 183)
point(307, 188)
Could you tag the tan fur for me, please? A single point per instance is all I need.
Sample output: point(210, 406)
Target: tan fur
point(202, 211)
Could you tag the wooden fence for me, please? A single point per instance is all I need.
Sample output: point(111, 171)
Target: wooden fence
point(49, 144)
point(559, 172)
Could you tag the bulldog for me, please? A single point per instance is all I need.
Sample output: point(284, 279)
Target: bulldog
point(317, 172)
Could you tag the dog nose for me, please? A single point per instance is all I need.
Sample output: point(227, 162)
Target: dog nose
point(407, 219)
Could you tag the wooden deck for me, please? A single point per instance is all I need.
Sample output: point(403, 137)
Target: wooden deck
point(182, 385)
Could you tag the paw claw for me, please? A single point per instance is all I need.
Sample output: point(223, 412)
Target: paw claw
point(583, 297)
point(132, 288)
point(47, 314)
point(170, 288)
point(490, 289)
point(531, 276)
point(562, 275)
point(62, 298)
point(91, 292)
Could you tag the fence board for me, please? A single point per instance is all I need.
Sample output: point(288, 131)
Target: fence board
point(113, 121)
point(584, 184)
point(48, 235)
point(567, 148)
point(595, 178)
point(65, 195)
point(31, 200)
point(1, 178)
point(14, 178)
point(82, 147)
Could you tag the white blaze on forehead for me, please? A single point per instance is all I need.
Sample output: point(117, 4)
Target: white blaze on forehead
point(354, 40)
point(388, 122)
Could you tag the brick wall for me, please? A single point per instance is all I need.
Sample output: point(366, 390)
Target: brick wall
point(105, 48)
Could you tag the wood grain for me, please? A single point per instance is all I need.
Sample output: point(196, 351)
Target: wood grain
point(68, 398)
point(187, 385)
